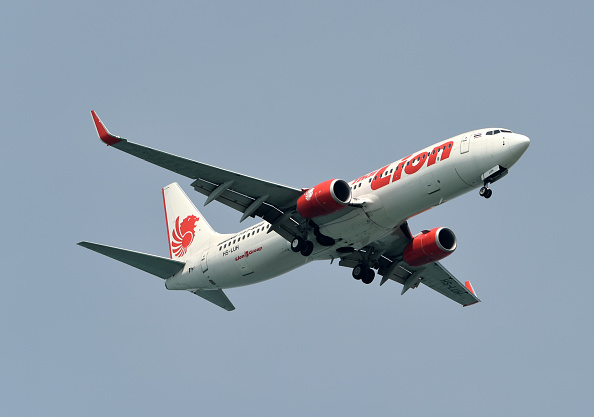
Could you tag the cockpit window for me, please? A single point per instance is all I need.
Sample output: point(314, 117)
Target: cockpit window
point(494, 132)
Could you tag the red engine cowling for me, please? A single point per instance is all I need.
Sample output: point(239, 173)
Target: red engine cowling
point(430, 246)
point(325, 198)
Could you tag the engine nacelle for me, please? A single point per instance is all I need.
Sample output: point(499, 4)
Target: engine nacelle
point(430, 246)
point(325, 198)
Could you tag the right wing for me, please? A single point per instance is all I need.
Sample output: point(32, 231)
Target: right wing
point(273, 202)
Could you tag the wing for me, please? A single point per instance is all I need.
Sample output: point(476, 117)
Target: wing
point(436, 277)
point(273, 202)
point(433, 275)
point(386, 256)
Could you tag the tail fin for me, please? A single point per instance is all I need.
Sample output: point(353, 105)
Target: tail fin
point(187, 230)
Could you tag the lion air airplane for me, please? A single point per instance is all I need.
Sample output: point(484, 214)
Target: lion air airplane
point(361, 223)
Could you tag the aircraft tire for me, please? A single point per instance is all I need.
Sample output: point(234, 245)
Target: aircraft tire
point(369, 276)
point(297, 244)
point(307, 248)
point(359, 272)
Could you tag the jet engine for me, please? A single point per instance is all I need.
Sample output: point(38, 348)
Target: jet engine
point(430, 246)
point(325, 198)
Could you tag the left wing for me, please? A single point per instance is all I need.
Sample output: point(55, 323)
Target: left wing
point(273, 202)
point(387, 257)
point(435, 276)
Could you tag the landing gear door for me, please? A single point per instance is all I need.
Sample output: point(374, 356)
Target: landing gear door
point(465, 144)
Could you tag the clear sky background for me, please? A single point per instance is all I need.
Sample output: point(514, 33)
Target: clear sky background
point(296, 93)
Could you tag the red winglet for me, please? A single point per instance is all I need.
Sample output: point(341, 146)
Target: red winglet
point(104, 134)
point(468, 285)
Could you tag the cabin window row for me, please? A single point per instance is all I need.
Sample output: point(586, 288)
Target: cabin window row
point(237, 239)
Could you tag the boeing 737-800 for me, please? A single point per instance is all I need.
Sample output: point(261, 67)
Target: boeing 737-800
point(361, 223)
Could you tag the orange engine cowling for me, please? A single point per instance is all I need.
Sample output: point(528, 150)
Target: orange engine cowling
point(325, 198)
point(430, 246)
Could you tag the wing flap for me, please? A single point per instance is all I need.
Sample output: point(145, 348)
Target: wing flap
point(156, 265)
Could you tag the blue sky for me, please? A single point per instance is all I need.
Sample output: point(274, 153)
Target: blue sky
point(296, 93)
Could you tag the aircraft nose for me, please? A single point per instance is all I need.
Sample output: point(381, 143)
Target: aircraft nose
point(518, 145)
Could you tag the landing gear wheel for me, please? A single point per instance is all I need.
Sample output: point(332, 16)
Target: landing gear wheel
point(369, 276)
point(297, 244)
point(485, 192)
point(308, 248)
point(359, 271)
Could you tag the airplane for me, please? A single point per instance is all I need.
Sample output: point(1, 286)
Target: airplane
point(362, 223)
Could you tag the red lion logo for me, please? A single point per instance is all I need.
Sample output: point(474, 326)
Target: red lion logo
point(183, 235)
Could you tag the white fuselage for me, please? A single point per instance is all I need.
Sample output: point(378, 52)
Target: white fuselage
point(389, 196)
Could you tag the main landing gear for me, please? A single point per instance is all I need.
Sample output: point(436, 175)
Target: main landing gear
point(365, 274)
point(301, 245)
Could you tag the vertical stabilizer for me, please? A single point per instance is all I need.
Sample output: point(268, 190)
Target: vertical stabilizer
point(187, 230)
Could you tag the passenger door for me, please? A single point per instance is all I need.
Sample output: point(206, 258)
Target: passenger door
point(465, 143)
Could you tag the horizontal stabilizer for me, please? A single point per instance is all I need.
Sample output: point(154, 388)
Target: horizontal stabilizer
point(217, 297)
point(156, 265)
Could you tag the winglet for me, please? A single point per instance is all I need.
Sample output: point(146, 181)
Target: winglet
point(468, 286)
point(104, 134)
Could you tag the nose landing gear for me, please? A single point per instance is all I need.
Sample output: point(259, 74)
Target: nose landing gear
point(489, 177)
point(486, 191)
